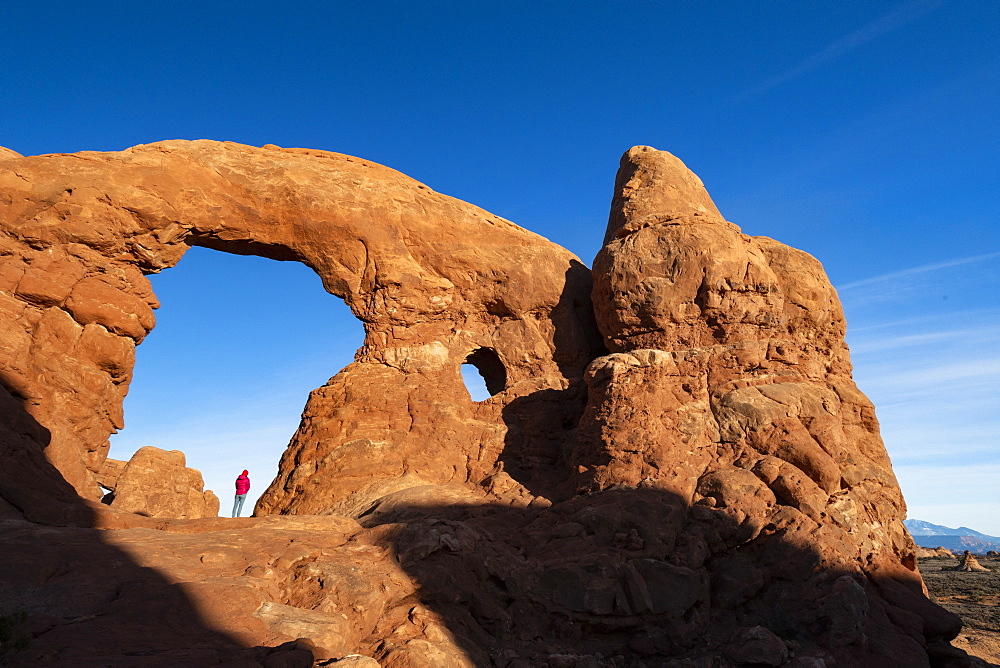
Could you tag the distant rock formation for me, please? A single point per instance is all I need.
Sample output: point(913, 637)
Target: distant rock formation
point(937, 552)
point(958, 543)
point(969, 563)
point(676, 468)
point(157, 483)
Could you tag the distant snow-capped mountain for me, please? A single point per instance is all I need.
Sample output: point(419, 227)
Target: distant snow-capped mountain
point(921, 528)
point(926, 534)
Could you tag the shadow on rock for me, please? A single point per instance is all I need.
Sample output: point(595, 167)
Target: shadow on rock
point(83, 601)
point(634, 577)
point(540, 426)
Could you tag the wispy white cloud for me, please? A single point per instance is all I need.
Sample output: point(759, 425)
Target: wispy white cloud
point(969, 315)
point(838, 48)
point(970, 418)
point(914, 271)
point(881, 344)
point(956, 429)
point(936, 376)
point(919, 445)
point(935, 383)
point(979, 476)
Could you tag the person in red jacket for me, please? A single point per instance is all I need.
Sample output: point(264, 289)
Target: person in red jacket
point(242, 487)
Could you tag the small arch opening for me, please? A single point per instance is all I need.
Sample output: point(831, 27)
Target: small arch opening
point(484, 374)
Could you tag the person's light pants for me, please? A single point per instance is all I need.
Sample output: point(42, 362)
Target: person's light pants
point(238, 504)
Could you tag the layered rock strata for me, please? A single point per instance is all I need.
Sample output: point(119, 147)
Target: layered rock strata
point(692, 478)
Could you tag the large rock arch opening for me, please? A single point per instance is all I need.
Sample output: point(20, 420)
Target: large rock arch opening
point(429, 277)
point(239, 342)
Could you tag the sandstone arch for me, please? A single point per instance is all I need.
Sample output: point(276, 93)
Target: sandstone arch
point(430, 278)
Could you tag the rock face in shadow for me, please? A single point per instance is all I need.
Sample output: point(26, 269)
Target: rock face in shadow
point(679, 471)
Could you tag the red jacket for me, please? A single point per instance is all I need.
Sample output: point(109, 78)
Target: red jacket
point(243, 483)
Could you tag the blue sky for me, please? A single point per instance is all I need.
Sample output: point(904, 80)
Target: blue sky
point(863, 133)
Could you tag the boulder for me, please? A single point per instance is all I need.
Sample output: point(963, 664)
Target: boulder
point(758, 646)
point(111, 470)
point(156, 483)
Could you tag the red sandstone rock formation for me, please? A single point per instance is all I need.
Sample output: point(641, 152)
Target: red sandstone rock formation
point(110, 471)
point(729, 388)
point(157, 483)
point(929, 552)
point(713, 487)
point(969, 563)
point(433, 279)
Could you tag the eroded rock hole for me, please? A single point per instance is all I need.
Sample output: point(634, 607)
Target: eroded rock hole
point(484, 374)
point(239, 343)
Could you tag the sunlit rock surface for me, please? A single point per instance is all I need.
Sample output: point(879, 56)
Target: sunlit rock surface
point(680, 471)
point(433, 279)
point(158, 483)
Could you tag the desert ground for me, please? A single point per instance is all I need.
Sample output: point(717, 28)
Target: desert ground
point(975, 597)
